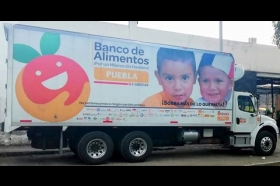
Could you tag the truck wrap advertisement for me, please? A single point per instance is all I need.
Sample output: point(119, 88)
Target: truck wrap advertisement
point(79, 78)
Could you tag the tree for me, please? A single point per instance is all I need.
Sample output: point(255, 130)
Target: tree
point(276, 35)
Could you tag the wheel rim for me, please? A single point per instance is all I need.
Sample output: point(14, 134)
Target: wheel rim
point(96, 148)
point(266, 144)
point(138, 147)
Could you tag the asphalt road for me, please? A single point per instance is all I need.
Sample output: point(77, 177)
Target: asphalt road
point(189, 155)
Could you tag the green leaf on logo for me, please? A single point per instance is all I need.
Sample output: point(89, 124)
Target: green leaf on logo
point(24, 53)
point(50, 43)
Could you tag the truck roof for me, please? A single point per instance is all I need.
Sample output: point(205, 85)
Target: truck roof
point(7, 26)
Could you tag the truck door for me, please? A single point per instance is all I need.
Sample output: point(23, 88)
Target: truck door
point(246, 117)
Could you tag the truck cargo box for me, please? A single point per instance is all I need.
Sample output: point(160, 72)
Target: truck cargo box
point(67, 78)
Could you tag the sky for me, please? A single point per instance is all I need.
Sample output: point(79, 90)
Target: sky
point(231, 30)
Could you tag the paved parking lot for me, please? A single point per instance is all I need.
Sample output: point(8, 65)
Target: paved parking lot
point(189, 155)
point(193, 155)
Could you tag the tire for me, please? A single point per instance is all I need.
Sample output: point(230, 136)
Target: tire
point(139, 154)
point(265, 144)
point(96, 139)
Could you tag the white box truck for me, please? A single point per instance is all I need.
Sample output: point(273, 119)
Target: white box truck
point(102, 96)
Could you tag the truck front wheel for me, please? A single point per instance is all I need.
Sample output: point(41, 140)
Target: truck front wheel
point(265, 144)
point(95, 148)
point(136, 146)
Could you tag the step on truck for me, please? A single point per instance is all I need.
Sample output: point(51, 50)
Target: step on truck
point(103, 96)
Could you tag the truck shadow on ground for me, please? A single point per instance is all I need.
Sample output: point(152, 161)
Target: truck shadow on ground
point(167, 153)
point(158, 155)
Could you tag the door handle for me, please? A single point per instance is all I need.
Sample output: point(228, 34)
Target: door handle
point(237, 121)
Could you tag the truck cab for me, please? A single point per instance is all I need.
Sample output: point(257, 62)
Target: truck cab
point(251, 129)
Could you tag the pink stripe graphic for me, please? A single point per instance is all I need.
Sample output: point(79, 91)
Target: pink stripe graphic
point(25, 120)
point(107, 121)
point(114, 83)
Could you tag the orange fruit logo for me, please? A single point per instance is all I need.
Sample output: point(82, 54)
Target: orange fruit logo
point(50, 87)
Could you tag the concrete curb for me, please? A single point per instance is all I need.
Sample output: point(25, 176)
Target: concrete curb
point(261, 164)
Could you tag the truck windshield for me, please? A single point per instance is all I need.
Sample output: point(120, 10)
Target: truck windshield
point(246, 104)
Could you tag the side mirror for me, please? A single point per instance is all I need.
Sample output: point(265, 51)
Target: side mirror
point(258, 96)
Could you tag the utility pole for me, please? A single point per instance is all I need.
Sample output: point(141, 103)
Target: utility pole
point(221, 35)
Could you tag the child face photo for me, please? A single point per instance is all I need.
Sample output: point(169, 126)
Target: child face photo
point(214, 84)
point(177, 79)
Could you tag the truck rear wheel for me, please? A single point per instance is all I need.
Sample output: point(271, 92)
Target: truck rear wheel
point(95, 148)
point(265, 144)
point(136, 146)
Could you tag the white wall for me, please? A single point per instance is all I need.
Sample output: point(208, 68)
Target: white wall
point(254, 57)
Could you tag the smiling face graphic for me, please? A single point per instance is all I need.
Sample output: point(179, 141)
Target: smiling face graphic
point(50, 76)
point(52, 87)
